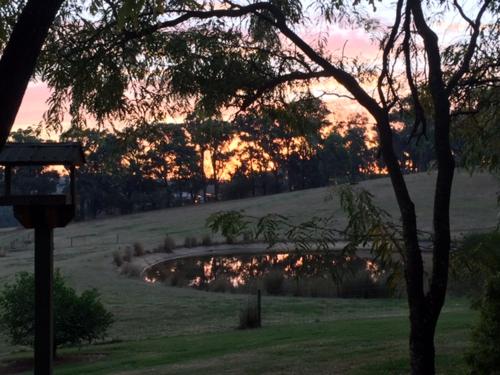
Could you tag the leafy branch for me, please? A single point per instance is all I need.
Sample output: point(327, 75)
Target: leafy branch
point(368, 227)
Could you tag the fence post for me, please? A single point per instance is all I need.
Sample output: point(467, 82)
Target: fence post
point(259, 308)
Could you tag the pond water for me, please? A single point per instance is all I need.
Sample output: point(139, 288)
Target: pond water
point(312, 275)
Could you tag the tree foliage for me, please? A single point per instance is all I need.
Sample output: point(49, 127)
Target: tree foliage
point(367, 227)
point(484, 356)
point(229, 224)
point(78, 319)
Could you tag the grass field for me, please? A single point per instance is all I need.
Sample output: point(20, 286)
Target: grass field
point(361, 346)
point(158, 317)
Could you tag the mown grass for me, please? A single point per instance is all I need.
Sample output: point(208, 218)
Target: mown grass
point(152, 312)
point(360, 346)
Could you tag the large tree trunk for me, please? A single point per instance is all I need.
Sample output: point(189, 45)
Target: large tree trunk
point(19, 58)
point(422, 347)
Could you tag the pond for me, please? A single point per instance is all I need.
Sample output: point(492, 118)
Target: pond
point(310, 275)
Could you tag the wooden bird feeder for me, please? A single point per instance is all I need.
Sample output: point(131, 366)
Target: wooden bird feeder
point(43, 213)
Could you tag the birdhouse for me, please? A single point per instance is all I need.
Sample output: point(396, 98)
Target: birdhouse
point(58, 209)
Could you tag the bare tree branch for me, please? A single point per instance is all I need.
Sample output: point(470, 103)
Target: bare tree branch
point(419, 110)
point(389, 46)
point(476, 27)
point(290, 77)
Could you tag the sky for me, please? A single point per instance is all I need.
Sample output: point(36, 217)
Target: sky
point(33, 105)
point(358, 44)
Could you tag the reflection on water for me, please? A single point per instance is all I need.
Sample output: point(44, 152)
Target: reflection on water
point(316, 275)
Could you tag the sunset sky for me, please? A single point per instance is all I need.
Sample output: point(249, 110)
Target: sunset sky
point(358, 45)
point(34, 102)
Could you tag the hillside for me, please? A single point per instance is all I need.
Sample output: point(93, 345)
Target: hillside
point(473, 208)
point(83, 252)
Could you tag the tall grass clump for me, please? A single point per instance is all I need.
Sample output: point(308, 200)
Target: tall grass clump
point(127, 255)
point(362, 285)
point(206, 240)
point(248, 237)
point(249, 316)
point(130, 269)
point(138, 249)
point(190, 241)
point(220, 285)
point(273, 282)
point(117, 258)
point(168, 244)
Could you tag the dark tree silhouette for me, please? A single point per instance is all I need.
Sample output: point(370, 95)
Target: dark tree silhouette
point(19, 58)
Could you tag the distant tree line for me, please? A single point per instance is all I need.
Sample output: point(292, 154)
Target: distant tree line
point(286, 147)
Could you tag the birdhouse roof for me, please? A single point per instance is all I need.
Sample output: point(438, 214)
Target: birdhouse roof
point(50, 153)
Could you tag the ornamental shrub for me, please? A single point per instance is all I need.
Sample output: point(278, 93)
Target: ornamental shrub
point(78, 319)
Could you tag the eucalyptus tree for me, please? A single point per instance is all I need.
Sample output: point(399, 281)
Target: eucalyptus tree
point(212, 138)
point(168, 157)
point(296, 127)
point(101, 180)
point(159, 56)
point(251, 132)
point(361, 158)
point(334, 157)
point(274, 132)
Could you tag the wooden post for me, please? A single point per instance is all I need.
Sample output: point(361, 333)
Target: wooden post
point(72, 184)
point(8, 180)
point(259, 307)
point(44, 314)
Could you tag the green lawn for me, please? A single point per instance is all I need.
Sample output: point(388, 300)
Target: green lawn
point(360, 346)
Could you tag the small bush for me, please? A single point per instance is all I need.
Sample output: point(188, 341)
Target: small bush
point(117, 258)
point(190, 242)
point(249, 317)
point(138, 249)
point(363, 286)
point(247, 237)
point(78, 318)
point(127, 255)
point(168, 244)
point(220, 285)
point(130, 269)
point(476, 261)
point(273, 282)
point(206, 240)
point(319, 287)
point(484, 356)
